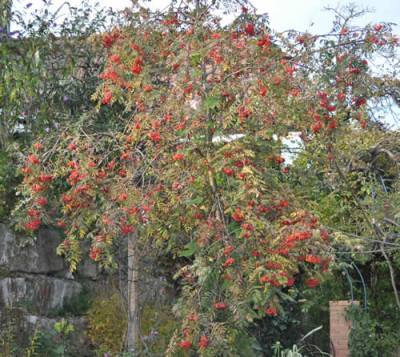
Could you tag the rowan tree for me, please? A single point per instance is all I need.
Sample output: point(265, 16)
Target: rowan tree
point(197, 171)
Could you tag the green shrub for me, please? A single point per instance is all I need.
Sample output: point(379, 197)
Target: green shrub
point(76, 305)
point(372, 338)
point(107, 320)
point(54, 343)
point(8, 184)
point(12, 323)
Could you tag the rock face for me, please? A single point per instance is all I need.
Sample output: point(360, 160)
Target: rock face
point(35, 275)
point(45, 294)
point(35, 280)
point(40, 258)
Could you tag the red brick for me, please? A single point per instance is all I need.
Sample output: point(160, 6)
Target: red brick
point(339, 327)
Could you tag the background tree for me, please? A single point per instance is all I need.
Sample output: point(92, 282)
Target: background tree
point(353, 181)
point(45, 57)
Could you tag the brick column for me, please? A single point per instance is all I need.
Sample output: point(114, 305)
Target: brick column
point(339, 327)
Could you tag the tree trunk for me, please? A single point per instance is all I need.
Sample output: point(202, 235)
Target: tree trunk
point(3, 129)
point(133, 332)
point(392, 275)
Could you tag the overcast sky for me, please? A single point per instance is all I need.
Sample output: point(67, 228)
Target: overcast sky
point(299, 15)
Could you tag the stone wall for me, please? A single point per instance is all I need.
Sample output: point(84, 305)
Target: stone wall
point(37, 274)
point(37, 279)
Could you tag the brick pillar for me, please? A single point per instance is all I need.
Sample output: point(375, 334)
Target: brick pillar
point(339, 327)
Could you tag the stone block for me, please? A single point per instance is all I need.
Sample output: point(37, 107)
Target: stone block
point(43, 292)
point(39, 258)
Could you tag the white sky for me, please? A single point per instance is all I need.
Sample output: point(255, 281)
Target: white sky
point(299, 15)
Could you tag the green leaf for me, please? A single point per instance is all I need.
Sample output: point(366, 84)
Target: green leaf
point(189, 249)
point(285, 296)
point(13, 94)
point(232, 227)
point(197, 201)
point(197, 73)
point(195, 59)
point(211, 102)
point(199, 140)
point(225, 285)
